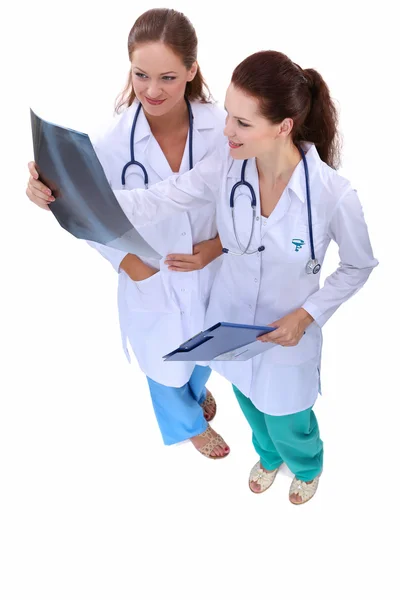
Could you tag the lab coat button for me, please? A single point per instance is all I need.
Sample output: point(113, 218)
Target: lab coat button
point(255, 280)
point(184, 233)
point(183, 290)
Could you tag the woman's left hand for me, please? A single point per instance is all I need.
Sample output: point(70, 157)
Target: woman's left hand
point(203, 254)
point(290, 329)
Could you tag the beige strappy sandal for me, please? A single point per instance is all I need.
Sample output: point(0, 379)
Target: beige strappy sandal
point(264, 480)
point(305, 490)
point(210, 404)
point(214, 440)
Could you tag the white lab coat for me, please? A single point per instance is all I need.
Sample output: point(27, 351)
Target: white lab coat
point(263, 287)
point(157, 314)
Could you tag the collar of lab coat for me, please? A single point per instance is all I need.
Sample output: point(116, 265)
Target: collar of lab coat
point(203, 119)
point(297, 182)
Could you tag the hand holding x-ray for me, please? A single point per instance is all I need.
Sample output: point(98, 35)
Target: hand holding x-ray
point(84, 203)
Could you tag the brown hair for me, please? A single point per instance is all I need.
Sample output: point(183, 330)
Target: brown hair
point(285, 90)
point(176, 31)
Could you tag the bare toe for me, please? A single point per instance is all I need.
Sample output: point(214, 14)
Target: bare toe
point(255, 487)
point(210, 444)
point(295, 498)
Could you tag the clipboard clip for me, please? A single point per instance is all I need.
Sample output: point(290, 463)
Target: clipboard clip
point(194, 342)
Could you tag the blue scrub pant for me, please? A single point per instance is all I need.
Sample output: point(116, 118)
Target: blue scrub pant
point(178, 410)
point(292, 439)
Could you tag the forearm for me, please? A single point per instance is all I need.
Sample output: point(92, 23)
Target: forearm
point(216, 247)
point(337, 289)
point(305, 319)
point(179, 193)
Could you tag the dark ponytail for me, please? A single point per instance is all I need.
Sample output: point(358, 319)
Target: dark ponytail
point(321, 123)
point(284, 90)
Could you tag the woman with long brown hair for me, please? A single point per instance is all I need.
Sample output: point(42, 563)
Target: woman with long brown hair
point(167, 124)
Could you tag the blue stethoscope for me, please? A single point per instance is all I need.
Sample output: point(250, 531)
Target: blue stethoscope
point(313, 266)
point(136, 163)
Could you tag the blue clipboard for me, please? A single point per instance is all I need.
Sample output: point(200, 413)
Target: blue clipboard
point(223, 341)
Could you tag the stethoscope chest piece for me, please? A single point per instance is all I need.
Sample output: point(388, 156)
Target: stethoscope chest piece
point(313, 267)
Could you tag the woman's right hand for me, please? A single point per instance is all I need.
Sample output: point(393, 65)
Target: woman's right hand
point(136, 269)
point(36, 191)
point(42, 196)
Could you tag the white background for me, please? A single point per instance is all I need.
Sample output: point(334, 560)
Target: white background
point(92, 505)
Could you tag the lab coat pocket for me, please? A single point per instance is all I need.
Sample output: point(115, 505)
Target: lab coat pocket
point(299, 247)
point(150, 295)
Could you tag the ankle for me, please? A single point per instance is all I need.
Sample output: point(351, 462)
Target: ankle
point(266, 470)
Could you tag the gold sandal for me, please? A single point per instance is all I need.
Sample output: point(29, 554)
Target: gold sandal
point(263, 479)
point(214, 440)
point(211, 405)
point(306, 491)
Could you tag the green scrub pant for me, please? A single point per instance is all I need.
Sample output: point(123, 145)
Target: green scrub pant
point(291, 439)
